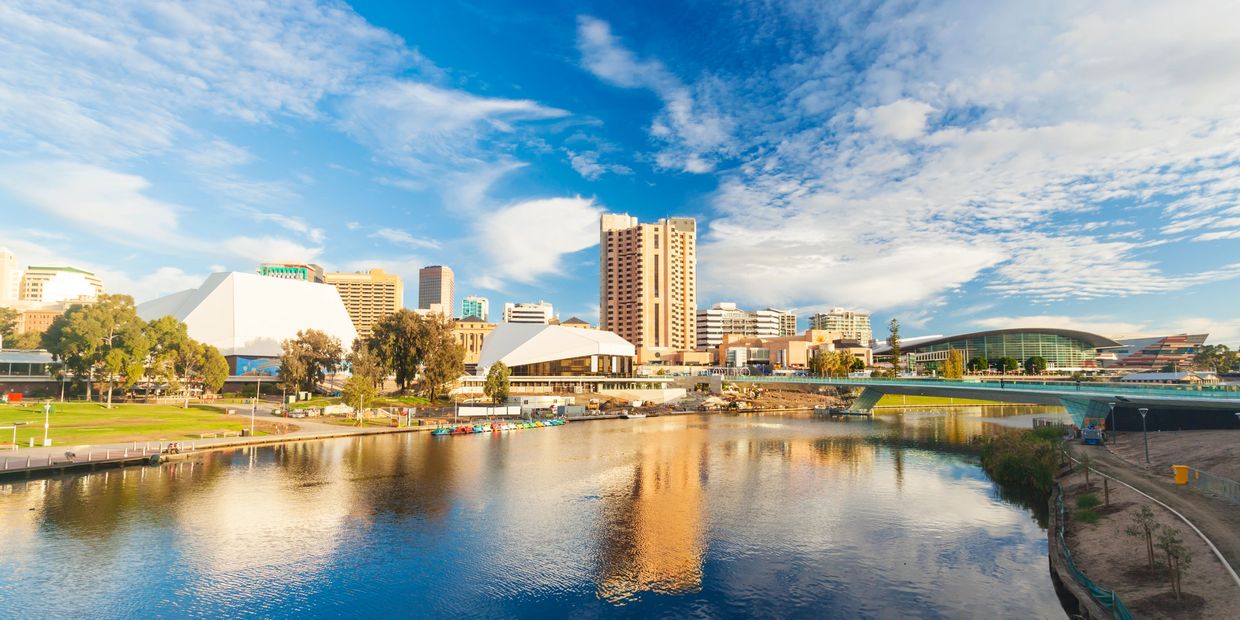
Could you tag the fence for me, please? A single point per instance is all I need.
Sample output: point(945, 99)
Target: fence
point(1223, 487)
point(1107, 598)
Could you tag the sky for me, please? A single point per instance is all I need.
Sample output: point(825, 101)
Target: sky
point(959, 165)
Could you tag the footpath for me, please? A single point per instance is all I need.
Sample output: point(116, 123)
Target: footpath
point(29, 461)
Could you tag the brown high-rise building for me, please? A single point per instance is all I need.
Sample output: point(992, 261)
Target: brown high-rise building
point(435, 285)
point(368, 297)
point(648, 282)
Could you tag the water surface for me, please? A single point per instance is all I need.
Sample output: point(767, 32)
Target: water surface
point(693, 516)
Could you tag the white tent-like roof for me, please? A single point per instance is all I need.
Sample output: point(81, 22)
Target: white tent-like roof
point(249, 314)
point(517, 344)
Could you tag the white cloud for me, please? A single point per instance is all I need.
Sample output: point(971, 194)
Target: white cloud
point(353, 225)
point(269, 249)
point(96, 199)
point(526, 240)
point(401, 237)
point(1044, 118)
point(422, 127)
point(694, 131)
point(587, 164)
point(903, 120)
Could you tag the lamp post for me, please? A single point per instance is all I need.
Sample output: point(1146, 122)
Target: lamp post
point(1112, 415)
point(1145, 433)
point(47, 417)
point(258, 392)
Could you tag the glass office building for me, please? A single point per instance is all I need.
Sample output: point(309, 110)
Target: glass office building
point(1061, 348)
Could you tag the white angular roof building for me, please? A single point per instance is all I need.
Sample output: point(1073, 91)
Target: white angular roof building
point(532, 349)
point(245, 314)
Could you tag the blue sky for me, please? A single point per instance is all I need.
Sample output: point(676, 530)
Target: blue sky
point(960, 165)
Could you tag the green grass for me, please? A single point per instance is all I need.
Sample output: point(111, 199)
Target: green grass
point(91, 424)
point(1087, 515)
point(901, 400)
point(1087, 501)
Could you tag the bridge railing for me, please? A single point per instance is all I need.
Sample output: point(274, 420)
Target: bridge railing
point(1058, 387)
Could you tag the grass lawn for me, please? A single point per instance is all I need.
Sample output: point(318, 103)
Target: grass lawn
point(901, 400)
point(75, 424)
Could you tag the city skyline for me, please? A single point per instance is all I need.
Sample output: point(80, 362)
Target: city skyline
point(962, 172)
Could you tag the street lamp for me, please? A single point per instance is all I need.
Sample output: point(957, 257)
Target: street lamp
point(1112, 415)
point(1145, 433)
point(47, 413)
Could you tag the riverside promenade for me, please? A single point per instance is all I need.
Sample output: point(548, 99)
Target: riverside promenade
point(53, 460)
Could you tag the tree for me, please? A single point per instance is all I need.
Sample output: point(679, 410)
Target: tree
point(1035, 365)
point(979, 363)
point(857, 364)
point(309, 357)
point(496, 387)
point(1171, 543)
point(25, 341)
point(443, 360)
point(398, 342)
point(1008, 363)
point(359, 391)
point(1216, 358)
point(820, 364)
point(214, 370)
point(1144, 525)
point(363, 362)
point(894, 341)
point(8, 324)
point(101, 338)
point(953, 366)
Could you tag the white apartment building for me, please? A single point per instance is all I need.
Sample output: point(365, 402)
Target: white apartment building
point(853, 324)
point(726, 318)
point(540, 312)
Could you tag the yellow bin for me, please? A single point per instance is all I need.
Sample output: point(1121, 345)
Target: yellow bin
point(1181, 474)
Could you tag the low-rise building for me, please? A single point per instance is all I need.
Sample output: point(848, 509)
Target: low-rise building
point(471, 333)
point(308, 272)
point(554, 350)
point(786, 351)
point(725, 318)
point(541, 312)
point(1179, 378)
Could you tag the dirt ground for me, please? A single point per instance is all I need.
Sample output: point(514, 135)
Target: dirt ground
point(1217, 452)
point(775, 399)
point(1117, 561)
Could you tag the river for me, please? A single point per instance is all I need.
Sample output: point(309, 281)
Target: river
point(687, 516)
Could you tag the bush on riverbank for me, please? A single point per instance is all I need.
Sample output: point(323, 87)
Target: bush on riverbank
point(1026, 459)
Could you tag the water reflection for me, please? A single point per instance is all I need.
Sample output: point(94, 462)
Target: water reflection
point(716, 516)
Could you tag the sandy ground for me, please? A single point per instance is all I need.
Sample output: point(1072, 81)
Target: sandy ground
point(780, 398)
point(1217, 452)
point(1114, 560)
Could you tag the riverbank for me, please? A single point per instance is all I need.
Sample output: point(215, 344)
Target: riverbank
point(1097, 516)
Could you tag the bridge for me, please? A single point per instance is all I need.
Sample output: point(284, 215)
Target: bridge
point(1221, 406)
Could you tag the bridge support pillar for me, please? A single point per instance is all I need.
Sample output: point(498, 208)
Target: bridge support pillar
point(866, 401)
point(1081, 408)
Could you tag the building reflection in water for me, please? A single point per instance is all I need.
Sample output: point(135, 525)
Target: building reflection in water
point(652, 536)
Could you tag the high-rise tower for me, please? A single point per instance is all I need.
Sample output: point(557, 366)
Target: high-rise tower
point(435, 287)
point(648, 282)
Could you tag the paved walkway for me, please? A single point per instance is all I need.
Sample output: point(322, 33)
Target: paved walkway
point(308, 429)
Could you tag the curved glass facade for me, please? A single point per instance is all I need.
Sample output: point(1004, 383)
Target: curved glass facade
point(1060, 351)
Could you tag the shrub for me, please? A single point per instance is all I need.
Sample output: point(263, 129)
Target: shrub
point(1087, 501)
point(1027, 459)
point(1086, 515)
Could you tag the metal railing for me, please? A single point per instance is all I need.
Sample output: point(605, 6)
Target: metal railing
point(1210, 483)
point(1057, 387)
point(1108, 599)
